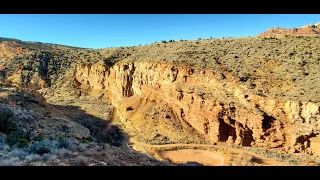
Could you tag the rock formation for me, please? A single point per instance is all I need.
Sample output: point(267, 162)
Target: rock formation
point(309, 29)
point(227, 113)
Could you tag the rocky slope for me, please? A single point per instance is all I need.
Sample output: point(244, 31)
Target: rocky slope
point(310, 29)
point(261, 92)
point(35, 133)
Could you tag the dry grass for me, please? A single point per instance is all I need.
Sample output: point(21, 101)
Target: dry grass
point(81, 161)
point(296, 159)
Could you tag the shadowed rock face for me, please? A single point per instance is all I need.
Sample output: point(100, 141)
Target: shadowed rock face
point(218, 109)
point(2, 75)
point(304, 30)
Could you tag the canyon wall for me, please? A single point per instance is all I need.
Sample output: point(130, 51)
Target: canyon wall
point(216, 105)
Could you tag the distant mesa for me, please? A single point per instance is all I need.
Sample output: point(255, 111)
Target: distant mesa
point(309, 29)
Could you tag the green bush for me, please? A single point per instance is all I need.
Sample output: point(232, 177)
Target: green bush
point(23, 143)
point(17, 138)
point(7, 123)
point(85, 141)
point(64, 143)
point(41, 147)
point(41, 137)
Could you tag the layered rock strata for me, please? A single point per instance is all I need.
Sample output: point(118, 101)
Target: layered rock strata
point(216, 105)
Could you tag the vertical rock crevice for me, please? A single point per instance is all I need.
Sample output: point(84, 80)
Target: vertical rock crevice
point(227, 132)
point(127, 80)
point(267, 121)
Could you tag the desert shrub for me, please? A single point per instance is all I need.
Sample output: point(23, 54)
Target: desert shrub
point(47, 157)
point(85, 141)
point(80, 148)
point(34, 157)
point(66, 143)
point(40, 137)
point(52, 137)
point(17, 138)
point(41, 147)
point(54, 151)
point(8, 162)
point(3, 139)
point(63, 153)
point(91, 152)
point(111, 135)
point(93, 145)
point(23, 143)
point(3, 145)
point(81, 161)
point(20, 153)
point(244, 77)
point(7, 122)
point(235, 146)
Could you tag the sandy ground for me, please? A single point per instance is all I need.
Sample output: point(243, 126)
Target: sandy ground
point(204, 157)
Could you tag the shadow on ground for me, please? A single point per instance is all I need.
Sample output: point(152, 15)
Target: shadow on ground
point(99, 128)
point(257, 160)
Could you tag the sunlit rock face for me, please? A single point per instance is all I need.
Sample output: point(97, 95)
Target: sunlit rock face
point(220, 109)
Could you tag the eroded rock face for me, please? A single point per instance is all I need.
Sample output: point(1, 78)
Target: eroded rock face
point(217, 106)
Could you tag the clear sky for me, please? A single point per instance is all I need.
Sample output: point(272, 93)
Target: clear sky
point(109, 30)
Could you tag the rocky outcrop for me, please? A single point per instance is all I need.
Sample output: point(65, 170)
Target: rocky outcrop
point(25, 78)
point(32, 124)
point(216, 105)
point(61, 127)
point(317, 25)
point(304, 30)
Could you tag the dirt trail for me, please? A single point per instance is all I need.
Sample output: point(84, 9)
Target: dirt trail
point(205, 157)
point(135, 142)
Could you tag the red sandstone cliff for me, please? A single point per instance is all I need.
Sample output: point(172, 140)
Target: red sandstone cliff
point(304, 30)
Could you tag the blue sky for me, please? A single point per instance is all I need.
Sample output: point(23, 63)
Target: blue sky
point(109, 30)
